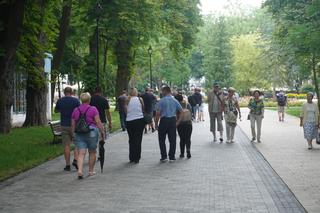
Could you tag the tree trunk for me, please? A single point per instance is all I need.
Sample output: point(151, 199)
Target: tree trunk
point(61, 40)
point(124, 59)
point(37, 90)
point(11, 18)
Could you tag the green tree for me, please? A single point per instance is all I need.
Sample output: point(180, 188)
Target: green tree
point(248, 64)
point(11, 18)
point(218, 54)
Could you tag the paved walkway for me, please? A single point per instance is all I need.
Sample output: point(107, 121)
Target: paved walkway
point(285, 149)
point(218, 178)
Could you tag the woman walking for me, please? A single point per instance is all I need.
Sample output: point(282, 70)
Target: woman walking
point(231, 112)
point(256, 115)
point(185, 127)
point(309, 119)
point(135, 125)
point(86, 140)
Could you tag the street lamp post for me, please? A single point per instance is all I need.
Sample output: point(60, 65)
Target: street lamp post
point(150, 54)
point(98, 13)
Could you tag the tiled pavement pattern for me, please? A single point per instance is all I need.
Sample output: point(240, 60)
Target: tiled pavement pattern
point(219, 178)
point(286, 150)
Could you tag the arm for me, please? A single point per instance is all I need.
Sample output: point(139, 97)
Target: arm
point(109, 118)
point(73, 125)
point(179, 118)
point(99, 125)
point(301, 115)
point(157, 118)
point(238, 108)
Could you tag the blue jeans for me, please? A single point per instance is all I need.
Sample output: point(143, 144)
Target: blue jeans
point(123, 117)
point(88, 140)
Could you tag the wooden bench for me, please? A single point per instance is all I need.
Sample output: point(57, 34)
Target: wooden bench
point(56, 131)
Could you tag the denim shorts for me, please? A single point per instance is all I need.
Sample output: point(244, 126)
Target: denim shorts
point(89, 140)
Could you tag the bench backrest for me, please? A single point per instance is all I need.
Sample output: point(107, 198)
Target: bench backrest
point(55, 127)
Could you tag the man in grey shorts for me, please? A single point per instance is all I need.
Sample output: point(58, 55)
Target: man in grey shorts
point(65, 106)
point(216, 107)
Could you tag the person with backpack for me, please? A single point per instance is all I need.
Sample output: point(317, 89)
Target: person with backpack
point(216, 107)
point(86, 124)
point(185, 127)
point(282, 102)
point(65, 107)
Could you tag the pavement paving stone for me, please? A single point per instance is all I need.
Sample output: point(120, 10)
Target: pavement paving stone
point(218, 178)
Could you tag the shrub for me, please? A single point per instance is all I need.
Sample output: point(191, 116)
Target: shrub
point(297, 96)
point(307, 88)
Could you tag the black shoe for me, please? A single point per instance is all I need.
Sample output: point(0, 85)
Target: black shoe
point(188, 155)
point(163, 160)
point(181, 156)
point(221, 140)
point(172, 159)
point(136, 161)
point(67, 168)
point(123, 129)
point(145, 131)
point(80, 177)
point(74, 163)
point(153, 130)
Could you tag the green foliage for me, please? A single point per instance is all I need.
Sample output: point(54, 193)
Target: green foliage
point(215, 43)
point(307, 88)
point(248, 66)
point(39, 33)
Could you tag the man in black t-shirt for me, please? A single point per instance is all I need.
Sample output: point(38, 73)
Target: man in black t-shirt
point(121, 102)
point(103, 107)
point(148, 100)
point(65, 107)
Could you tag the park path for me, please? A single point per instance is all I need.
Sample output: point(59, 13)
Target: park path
point(285, 149)
point(218, 178)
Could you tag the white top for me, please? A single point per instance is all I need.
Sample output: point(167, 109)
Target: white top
point(134, 109)
point(311, 112)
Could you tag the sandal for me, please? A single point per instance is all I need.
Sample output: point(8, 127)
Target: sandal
point(92, 173)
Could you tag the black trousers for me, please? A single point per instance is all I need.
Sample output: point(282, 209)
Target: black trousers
point(167, 126)
point(185, 131)
point(135, 132)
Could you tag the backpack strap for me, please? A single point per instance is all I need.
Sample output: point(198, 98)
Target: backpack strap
point(84, 114)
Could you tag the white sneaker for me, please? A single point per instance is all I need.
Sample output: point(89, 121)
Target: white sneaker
point(232, 141)
point(227, 141)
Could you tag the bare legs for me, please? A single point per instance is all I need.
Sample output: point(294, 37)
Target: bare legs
point(92, 160)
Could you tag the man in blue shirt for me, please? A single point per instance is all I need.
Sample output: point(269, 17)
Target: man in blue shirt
point(168, 112)
point(65, 106)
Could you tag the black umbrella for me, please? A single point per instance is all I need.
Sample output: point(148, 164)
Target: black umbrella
point(101, 154)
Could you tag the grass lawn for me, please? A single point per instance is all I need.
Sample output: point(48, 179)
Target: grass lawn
point(25, 148)
point(295, 111)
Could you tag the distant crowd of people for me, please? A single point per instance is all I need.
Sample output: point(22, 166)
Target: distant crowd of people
point(173, 112)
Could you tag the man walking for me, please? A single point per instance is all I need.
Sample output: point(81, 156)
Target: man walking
point(121, 102)
point(216, 107)
point(148, 100)
point(65, 107)
point(282, 102)
point(103, 108)
point(169, 109)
